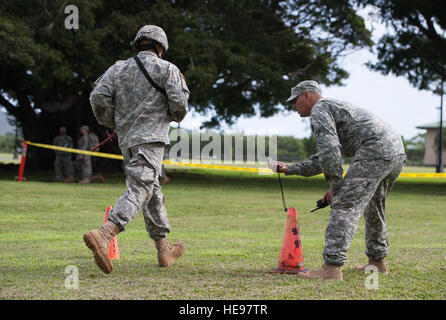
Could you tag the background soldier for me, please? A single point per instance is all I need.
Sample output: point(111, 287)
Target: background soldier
point(83, 162)
point(140, 101)
point(378, 157)
point(62, 164)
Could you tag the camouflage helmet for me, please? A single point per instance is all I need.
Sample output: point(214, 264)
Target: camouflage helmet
point(151, 32)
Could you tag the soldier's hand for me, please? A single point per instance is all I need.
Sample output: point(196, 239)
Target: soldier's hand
point(277, 166)
point(328, 196)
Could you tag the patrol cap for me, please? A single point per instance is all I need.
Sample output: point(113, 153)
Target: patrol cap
point(302, 87)
point(152, 32)
point(85, 128)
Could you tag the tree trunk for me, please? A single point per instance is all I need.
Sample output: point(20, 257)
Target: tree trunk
point(44, 126)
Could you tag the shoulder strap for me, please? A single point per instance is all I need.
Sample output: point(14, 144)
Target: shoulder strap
point(146, 74)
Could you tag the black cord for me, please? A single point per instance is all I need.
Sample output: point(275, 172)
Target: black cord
point(281, 190)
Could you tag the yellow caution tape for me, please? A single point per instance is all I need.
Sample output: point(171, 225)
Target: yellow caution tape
point(120, 157)
point(230, 168)
point(419, 175)
point(88, 153)
point(212, 166)
point(208, 166)
point(423, 175)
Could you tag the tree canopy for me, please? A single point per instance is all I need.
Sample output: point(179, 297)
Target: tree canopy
point(415, 47)
point(239, 57)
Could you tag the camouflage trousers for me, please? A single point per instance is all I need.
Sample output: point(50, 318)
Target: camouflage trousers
point(83, 167)
point(63, 167)
point(363, 191)
point(142, 168)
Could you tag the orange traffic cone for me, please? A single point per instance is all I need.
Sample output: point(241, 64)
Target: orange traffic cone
point(114, 250)
point(291, 258)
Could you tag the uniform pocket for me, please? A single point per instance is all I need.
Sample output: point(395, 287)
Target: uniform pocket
point(354, 192)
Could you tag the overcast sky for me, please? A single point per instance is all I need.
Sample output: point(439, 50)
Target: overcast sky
point(4, 125)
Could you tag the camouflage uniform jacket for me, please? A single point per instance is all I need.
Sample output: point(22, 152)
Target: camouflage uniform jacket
point(341, 128)
point(123, 99)
point(63, 141)
point(84, 142)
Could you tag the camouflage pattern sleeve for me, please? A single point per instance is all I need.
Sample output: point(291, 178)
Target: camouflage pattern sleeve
point(328, 146)
point(307, 168)
point(102, 98)
point(177, 94)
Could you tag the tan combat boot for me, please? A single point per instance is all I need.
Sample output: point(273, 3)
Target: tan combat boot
point(98, 240)
point(167, 254)
point(380, 264)
point(85, 180)
point(326, 272)
point(165, 179)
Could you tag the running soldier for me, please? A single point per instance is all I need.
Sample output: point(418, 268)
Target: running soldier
point(139, 97)
point(378, 157)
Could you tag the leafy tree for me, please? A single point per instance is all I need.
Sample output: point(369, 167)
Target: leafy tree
point(239, 57)
point(310, 145)
point(290, 149)
point(7, 142)
point(414, 148)
point(415, 47)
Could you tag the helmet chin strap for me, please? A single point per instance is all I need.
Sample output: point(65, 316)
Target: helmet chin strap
point(151, 46)
point(157, 52)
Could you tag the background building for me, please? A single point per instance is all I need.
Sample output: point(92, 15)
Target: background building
point(431, 143)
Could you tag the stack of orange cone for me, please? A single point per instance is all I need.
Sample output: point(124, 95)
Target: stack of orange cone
point(291, 257)
point(114, 250)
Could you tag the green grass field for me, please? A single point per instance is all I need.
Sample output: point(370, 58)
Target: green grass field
point(232, 224)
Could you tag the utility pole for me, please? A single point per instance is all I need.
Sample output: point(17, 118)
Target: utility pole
point(440, 168)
